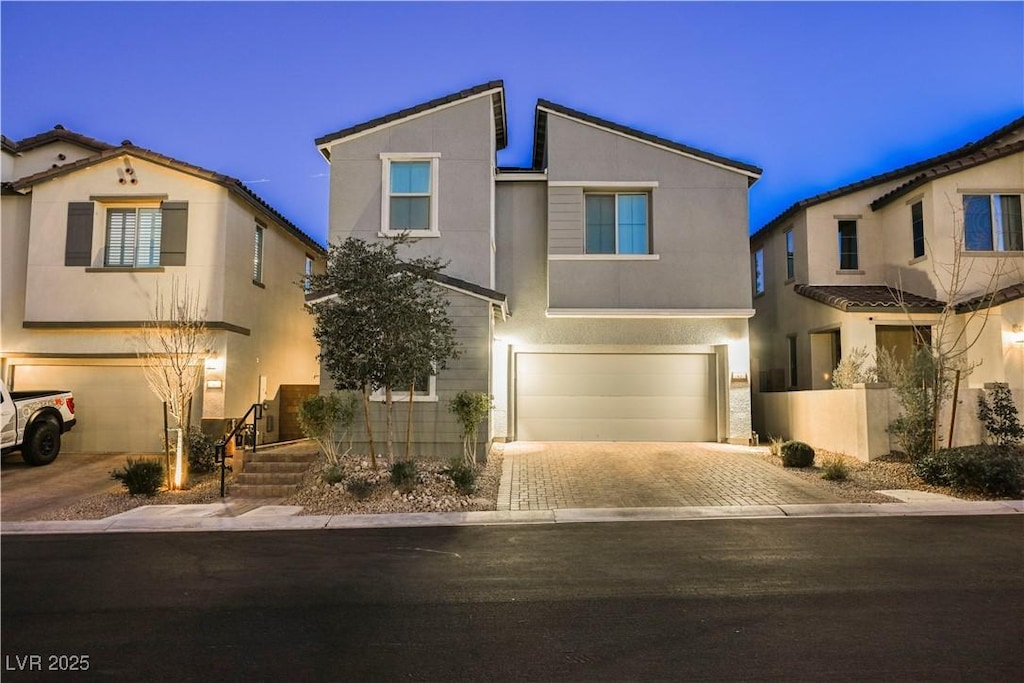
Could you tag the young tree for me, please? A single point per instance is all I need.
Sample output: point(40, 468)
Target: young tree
point(967, 298)
point(172, 347)
point(381, 323)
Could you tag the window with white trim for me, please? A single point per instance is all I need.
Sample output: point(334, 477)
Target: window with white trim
point(992, 222)
point(425, 389)
point(307, 274)
point(410, 195)
point(133, 238)
point(257, 254)
point(617, 223)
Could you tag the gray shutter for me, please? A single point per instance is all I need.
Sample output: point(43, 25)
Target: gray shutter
point(78, 245)
point(174, 233)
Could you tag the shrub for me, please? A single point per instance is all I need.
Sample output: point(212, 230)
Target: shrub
point(359, 487)
point(991, 469)
point(462, 475)
point(403, 475)
point(140, 477)
point(201, 451)
point(320, 417)
point(835, 468)
point(797, 454)
point(914, 430)
point(997, 411)
point(775, 445)
point(470, 408)
point(333, 474)
point(851, 369)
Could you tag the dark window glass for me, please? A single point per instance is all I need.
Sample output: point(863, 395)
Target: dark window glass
point(977, 222)
point(848, 245)
point(600, 224)
point(790, 256)
point(917, 228)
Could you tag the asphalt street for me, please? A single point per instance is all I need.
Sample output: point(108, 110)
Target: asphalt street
point(833, 599)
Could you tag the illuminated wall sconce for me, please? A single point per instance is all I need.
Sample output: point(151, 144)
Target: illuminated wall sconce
point(739, 378)
point(1017, 336)
point(214, 384)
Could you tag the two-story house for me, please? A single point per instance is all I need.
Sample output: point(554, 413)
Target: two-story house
point(600, 294)
point(92, 232)
point(870, 264)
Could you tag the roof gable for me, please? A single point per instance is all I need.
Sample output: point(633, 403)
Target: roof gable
point(545, 107)
point(233, 185)
point(994, 145)
point(57, 134)
point(496, 89)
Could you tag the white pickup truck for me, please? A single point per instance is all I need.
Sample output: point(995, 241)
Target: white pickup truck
point(32, 422)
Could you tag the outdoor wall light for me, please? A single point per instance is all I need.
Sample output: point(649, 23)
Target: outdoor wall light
point(1017, 335)
point(214, 384)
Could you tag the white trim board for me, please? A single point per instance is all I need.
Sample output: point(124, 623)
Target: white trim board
point(650, 313)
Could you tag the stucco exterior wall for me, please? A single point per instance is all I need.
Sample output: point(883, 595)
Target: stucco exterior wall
point(697, 214)
point(43, 158)
point(461, 135)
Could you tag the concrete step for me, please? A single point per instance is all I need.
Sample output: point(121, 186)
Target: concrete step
point(260, 467)
point(272, 456)
point(262, 490)
point(285, 478)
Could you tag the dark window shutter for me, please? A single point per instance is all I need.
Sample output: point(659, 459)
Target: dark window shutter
point(78, 245)
point(174, 233)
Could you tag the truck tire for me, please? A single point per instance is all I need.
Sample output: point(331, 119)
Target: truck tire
point(42, 443)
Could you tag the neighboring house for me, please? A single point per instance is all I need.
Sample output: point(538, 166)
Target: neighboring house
point(91, 231)
point(829, 272)
point(599, 295)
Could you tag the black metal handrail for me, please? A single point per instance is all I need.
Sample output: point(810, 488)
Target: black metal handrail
point(238, 434)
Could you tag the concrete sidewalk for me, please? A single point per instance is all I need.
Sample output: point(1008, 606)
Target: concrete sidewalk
point(178, 518)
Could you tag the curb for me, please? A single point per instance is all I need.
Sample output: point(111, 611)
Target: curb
point(206, 520)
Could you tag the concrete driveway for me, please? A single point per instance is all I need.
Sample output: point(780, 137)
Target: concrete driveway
point(547, 476)
point(29, 492)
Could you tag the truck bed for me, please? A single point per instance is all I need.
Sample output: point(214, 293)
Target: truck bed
point(20, 395)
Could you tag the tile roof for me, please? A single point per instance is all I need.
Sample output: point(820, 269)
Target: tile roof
point(232, 184)
point(997, 298)
point(932, 165)
point(498, 103)
point(861, 298)
point(57, 133)
point(540, 138)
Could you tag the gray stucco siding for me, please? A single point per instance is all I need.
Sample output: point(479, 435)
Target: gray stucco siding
point(461, 136)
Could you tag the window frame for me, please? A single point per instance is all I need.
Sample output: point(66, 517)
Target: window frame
point(259, 246)
point(615, 194)
point(757, 268)
point(402, 396)
point(917, 230)
point(307, 269)
point(789, 241)
point(155, 244)
point(856, 245)
point(997, 232)
point(387, 158)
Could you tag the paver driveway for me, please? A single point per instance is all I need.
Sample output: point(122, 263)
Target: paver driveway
point(546, 476)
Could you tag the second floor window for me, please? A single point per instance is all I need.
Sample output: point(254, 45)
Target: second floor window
point(992, 222)
point(133, 238)
point(790, 256)
point(308, 274)
point(410, 194)
point(616, 224)
point(759, 272)
point(848, 245)
point(257, 254)
point(917, 228)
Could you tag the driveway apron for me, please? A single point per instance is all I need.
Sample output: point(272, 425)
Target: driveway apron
point(547, 476)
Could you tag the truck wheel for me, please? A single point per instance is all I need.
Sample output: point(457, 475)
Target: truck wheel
point(42, 444)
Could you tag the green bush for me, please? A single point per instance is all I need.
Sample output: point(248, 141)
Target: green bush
point(462, 475)
point(333, 474)
point(997, 411)
point(140, 477)
point(201, 451)
point(835, 469)
point(990, 469)
point(797, 454)
point(359, 487)
point(403, 475)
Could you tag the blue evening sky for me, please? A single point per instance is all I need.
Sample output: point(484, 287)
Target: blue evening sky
point(817, 94)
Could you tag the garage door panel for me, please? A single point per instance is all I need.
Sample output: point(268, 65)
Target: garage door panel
point(114, 407)
point(623, 397)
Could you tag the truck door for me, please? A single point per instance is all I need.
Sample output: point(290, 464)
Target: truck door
point(8, 431)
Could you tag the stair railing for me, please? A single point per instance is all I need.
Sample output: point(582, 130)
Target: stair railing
point(242, 434)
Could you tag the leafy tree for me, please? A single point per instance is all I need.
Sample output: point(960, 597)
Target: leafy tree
point(997, 411)
point(320, 418)
point(381, 324)
point(471, 408)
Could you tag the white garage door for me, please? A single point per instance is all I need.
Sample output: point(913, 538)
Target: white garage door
point(615, 397)
point(115, 409)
